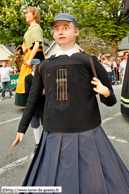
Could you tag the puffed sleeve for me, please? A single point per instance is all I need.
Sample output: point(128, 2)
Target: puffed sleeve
point(35, 34)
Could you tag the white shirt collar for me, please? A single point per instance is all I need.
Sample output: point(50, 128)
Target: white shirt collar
point(68, 52)
point(32, 73)
point(33, 26)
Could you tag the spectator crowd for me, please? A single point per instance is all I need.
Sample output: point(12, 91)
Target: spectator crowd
point(115, 69)
point(6, 71)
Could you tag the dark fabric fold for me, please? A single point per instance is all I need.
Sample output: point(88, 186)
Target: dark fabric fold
point(81, 163)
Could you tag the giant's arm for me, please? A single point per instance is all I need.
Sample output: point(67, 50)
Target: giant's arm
point(27, 86)
point(35, 92)
point(103, 77)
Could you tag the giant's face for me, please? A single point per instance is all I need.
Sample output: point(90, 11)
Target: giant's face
point(64, 32)
point(29, 16)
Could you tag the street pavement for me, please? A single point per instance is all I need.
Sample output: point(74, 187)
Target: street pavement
point(14, 162)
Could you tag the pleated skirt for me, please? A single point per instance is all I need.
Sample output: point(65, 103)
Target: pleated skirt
point(81, 163)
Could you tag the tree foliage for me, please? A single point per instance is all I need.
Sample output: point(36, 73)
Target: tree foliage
point(91, 44)
point(104, 16)
point(12, 20)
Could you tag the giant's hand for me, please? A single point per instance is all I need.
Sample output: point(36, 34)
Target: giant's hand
point(19, 138)
point(100, 88)
point(28, 63)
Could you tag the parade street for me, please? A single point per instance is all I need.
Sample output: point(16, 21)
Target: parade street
point(14, 162)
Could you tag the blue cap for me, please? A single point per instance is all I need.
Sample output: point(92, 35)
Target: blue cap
point(65, 17)
point(35, 62)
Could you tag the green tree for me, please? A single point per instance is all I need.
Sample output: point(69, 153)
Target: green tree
point(104, 16)
point(91, 44)
point(12, 20)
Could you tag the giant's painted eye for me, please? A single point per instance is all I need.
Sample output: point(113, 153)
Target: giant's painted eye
point(56, 29)
point(66, 28)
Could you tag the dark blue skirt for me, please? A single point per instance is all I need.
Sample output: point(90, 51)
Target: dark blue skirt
point(82, 163)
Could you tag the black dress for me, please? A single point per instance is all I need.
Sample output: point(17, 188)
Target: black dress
point(125, 87)
point(74, 152)
point(125, 94)
point(41, 100)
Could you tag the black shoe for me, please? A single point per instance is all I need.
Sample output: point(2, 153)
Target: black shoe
point(36, 146)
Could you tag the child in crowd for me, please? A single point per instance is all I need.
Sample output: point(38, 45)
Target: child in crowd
point(74, 152)
point(38, 115)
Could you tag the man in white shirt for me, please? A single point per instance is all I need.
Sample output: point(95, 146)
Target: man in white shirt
point(11, 65)
point(107, 66)
point(123, 65)
point(5, 79)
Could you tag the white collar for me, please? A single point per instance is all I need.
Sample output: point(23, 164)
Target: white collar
point(33, 26)
point(32, 73)
point(68, 52)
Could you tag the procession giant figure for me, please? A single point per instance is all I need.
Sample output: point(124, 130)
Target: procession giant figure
point(74, 151)
point(125, 87)
point(33, 46)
